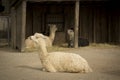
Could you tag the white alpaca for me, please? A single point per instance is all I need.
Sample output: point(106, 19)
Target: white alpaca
point(60, 61)
point(30, 44)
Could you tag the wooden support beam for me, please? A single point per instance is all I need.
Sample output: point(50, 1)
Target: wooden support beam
point(24, 4)
point(13, 27)
point(76, 24)
point(48, 0)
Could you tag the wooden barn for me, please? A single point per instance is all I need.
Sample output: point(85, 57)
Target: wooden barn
point(96, 20)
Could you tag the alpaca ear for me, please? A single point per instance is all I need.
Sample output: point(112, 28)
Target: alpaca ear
point(55, 26)
point(34, 39)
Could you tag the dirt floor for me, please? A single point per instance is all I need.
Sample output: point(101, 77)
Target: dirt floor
point(103, 59)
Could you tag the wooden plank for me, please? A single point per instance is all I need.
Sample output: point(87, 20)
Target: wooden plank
point(13, 27)
point(94, 25)
point(23, 25)
point(109, 28)
point(103, 26)
point(76, 24)
point(90, 37)
point(50, 0)
point(29, 20)
point(119, 29)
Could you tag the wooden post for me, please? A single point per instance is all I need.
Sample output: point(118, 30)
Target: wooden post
point(13, 27)
point(94, 26)
point(76, 24)
point(109, 28)
point(23, 24)
point(119, 29)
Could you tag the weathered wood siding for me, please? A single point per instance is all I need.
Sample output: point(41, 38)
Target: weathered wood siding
point(35, 19)
point(18, 26)
point(4, 31)
point(93, 22)
point(114, 23)
point(99, 22)
point(41, 14)
point(13, 27)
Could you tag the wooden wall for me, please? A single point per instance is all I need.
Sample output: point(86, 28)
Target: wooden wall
point(39, 15)
point(35, 19)
point(99, 22)
point(4, 31)
point(13, 27)
point(6, 4)
point(18, 26)
point(93, 22)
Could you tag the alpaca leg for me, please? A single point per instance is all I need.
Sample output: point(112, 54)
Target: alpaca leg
point(43, 69)
point(50, 68)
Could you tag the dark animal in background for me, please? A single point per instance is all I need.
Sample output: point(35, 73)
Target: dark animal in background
point(81, 41)
point(70, 38)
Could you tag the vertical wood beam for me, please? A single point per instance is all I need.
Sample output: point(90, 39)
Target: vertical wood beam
point(13, 27)
point(119, 30)
point(94, 26)
point(23, 25)
point(76, 24)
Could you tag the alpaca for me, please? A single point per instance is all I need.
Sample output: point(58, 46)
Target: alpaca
point(48, 39)
point(81, 41)
point(71, 38)
point(60, 61)
point(29, 44)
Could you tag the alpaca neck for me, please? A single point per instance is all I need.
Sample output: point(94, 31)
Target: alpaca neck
point(42, 52)
point(52, 36)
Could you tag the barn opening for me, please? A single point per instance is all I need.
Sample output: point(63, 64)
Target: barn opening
point(99, 20)
point(40, 14)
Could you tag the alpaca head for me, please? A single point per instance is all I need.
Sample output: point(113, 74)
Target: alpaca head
point(41, 46)
point(29, 44)
point(70, 31)
point(40, 42)
point(38, 35)
point(53, 27)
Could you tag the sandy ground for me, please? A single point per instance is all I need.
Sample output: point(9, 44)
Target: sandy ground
point(105, 62)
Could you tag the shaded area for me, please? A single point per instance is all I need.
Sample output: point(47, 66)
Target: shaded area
point(29, 67)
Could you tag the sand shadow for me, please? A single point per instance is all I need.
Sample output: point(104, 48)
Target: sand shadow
point(29, 67)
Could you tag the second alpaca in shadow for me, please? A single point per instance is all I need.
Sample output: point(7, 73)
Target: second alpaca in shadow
point(81, 41)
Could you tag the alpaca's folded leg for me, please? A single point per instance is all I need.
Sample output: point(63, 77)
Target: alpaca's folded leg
point(50, 68)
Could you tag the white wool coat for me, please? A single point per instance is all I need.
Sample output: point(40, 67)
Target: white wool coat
point(65, 62)
point(60, 61)
point(46, 38)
